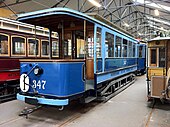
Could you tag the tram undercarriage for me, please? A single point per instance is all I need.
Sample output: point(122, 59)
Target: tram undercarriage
point(115, 86)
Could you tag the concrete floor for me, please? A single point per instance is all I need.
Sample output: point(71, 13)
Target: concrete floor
point(127, 109)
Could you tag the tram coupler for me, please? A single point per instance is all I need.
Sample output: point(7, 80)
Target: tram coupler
point(27, 111)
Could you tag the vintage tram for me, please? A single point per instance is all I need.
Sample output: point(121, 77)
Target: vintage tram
point(95, 59)
point(158, 65)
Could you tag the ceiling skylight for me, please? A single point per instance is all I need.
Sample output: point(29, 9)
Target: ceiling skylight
point(158, 20)
point(152, 4)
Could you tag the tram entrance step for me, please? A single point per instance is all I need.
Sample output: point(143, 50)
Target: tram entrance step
point(89, 99)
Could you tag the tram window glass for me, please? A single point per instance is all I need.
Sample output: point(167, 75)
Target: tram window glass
point(98, 42)
point(109, 45)
point(162, 57)
point(67, 45)
point(124, 48)
point(140, 51)
point(80, 48)
point(3, 44)
point(130, 54)
point(18, 45)
point(134, 50)
point(55, 49)
point(33, 47)
point(45, 48)
point(90, 41)
point(118, 47)
point(153, 56)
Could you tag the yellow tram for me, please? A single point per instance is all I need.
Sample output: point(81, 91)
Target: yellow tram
point(158, 67)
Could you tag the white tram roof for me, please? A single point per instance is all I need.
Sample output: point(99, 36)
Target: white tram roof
point(159, 38)
point(39, 17)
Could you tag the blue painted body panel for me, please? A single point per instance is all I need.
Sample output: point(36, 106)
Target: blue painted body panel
point(102, 77)
point(62, 79)
point(116, 63)
point(141, 63)
point(115, 67)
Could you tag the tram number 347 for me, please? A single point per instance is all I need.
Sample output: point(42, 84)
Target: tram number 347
point(40, 84)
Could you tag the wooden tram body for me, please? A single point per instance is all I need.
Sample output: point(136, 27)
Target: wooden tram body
point(95, 59)
point(158, 64)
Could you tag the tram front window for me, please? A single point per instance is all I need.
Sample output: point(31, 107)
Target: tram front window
point(161, 57)
point(153, 57)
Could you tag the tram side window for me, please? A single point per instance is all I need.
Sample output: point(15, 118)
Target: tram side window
point(124, 48)
point(130, 54)
point(33, 47)
point(55, 49)
point(118, 47)
point(45, 48)
point(109, 45)
point(98, 42)
point(153, 56)
point(18, 46)
point(134, 50)
point(3, 45)
point(161, 57)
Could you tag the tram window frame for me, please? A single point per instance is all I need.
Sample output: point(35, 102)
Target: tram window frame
point(118, 53)
point(130, 48)
point(109, 51)
point(29, 50)
point(57, 49)
point(12, 46)
point(98, 42)
point(80, 48)
point(151, 57)
point(162, 60)
point(125, 46)
point(8, 45)
point(67, 50)
point(134, 49)
point(42, 48)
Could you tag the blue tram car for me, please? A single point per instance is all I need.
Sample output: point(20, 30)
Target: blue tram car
point(94, 59)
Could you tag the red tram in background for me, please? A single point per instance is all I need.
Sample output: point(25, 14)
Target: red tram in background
point(20, 41)
point(9, 78)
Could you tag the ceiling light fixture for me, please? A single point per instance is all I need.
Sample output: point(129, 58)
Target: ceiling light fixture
point(156, 12)
point(125, 24)
point(95, 3)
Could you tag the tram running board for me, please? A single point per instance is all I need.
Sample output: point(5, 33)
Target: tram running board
point(104, 96)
